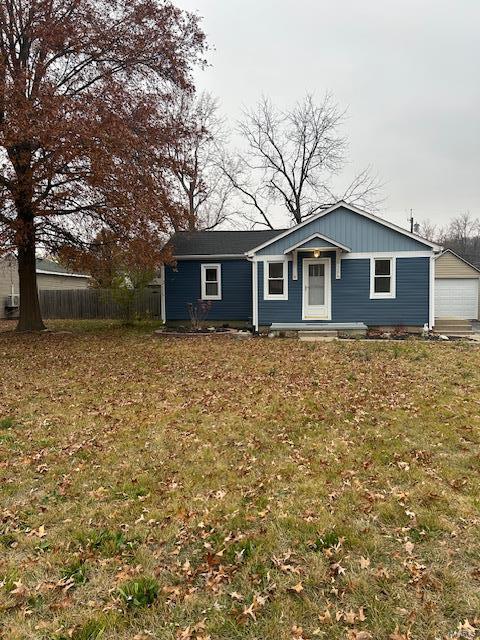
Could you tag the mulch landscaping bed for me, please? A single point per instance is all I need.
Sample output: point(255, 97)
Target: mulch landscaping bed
point(218, 333)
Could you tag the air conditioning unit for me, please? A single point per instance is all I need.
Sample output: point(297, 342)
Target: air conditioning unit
point(13, 301)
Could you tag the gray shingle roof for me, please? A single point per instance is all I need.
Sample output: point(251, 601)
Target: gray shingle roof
point(53, 267)
point(204, 243)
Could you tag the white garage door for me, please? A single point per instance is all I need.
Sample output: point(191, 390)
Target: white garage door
point(456, 298)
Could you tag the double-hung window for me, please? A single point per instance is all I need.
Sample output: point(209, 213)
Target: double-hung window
point(275, 280)
point(382, 278)
point(211, 281)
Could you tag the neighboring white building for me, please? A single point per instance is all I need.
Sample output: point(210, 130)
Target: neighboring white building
point(50, 275)
point(456, 287)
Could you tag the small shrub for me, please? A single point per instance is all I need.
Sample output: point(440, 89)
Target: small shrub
point(76, 571)
point(198, 312)
point(400, 332)
point(139, 593)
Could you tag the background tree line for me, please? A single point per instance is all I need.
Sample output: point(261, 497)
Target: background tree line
point(461, 234)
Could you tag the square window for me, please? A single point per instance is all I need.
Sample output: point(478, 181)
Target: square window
point(275, 269)
point(210, 275)
point(382, 267)
point(275, 287)
point(382, 285)
point(211, 288)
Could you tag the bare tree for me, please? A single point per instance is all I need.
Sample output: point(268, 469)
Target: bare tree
point(291, 158)
point(203, 190)
point(462, 235)
point(429, 230)
point(463, 228)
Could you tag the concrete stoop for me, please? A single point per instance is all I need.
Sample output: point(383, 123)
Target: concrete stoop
point(316, 332)
point(454, 327)
point(317, 336)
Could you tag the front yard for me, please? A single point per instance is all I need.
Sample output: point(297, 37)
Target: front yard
point(215, 489)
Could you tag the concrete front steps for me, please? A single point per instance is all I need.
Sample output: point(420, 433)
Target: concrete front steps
point(317, 331)
point(317, 336)
point(453, 327)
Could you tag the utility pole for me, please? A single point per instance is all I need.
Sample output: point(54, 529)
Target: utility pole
point(411, 221)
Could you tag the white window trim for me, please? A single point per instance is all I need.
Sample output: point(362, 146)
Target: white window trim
point(255, 295)
point(431, 287)
point(203, 269)
point(277, 296)
point(393, 279)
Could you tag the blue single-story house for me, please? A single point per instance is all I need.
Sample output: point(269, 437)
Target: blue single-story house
point(343, 267)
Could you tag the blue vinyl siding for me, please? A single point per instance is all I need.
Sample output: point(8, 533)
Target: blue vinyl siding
point(351, 295)
point(314, 243)
point(357, 232)
point(183, 286)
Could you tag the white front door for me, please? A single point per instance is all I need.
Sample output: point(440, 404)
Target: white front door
point(316, 289)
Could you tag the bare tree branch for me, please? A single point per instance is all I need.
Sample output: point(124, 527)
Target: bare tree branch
point(291, 158)
point(196, 156)
point(462, 235)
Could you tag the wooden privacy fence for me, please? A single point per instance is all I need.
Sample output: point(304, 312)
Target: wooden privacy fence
point(87, 304)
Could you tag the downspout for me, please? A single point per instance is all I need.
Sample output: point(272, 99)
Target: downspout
point(431, 314)
point(251, 259)
point(163, 294)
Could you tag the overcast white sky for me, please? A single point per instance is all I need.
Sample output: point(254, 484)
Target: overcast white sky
point(408, 72)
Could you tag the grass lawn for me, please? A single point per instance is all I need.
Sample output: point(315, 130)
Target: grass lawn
point(215, 489)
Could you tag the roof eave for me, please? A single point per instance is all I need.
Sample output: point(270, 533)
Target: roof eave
point(44, 272)
point(209, 256)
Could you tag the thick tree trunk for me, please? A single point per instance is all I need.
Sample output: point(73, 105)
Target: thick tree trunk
point(192, 218)
point(30, 317)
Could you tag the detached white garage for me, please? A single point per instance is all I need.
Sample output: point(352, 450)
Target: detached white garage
point(456, 287)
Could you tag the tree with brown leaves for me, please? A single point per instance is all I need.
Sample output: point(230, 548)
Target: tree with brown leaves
point(81, 82)
point(107, 257)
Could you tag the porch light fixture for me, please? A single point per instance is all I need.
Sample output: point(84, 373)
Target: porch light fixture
point(316, 253)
